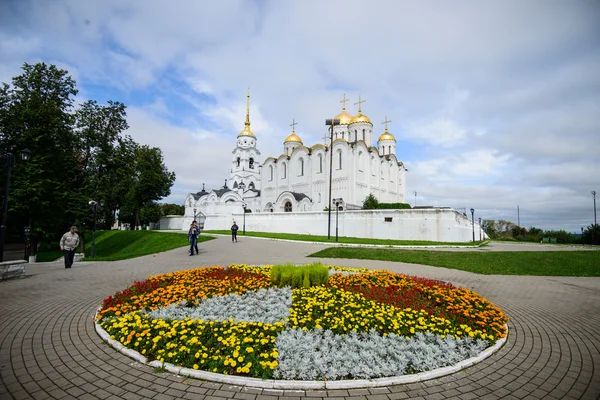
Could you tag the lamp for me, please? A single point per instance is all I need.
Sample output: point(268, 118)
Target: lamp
point(9, 163)
point(473, 223)
point(480, 229)
point(330, 122)
point(194, 214)
point(244, 231)
point(415, 192)
point(95, 205)
point(337, 207)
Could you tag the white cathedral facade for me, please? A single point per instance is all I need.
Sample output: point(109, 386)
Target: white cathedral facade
point(299, 178)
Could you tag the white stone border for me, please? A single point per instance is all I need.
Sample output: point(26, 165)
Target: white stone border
point(291, 384)
point(384, 246)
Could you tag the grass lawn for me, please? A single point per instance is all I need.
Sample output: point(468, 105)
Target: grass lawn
point(539, 263)
point(121, 245)
point(314, 238)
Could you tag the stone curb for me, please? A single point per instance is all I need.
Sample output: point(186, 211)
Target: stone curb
point(291, 384)
point(362, 244)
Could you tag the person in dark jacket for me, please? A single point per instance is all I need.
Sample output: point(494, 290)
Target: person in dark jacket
point(234, 229)
point(193, 237)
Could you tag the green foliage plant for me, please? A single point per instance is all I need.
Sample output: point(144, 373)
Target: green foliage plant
point(298, 276)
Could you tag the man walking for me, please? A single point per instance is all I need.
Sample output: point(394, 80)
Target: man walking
point(234, 229)
point(68, 244)
point(193, 237)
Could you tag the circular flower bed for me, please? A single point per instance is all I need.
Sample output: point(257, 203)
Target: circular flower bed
point(360, 324)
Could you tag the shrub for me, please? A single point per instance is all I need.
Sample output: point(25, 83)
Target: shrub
point(298, 276)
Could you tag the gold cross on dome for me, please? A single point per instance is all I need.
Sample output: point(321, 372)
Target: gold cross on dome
point(359, 102)
point(343, 101)
point(293, 124)
point(386, 123)
point(325, 139)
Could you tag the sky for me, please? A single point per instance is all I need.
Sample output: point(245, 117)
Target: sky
point(494, 105)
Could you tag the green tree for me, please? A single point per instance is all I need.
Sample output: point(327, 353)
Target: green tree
point(104, 166)
point(591, 235)
point(370, 202)
point(151, 181)
point(172, 209)
point(35, 113)
point(151, 212)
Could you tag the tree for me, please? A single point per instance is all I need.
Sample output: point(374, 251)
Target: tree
point(172, 209)
point(151, 181)
point(591, 235)
point(370, 202)
point(151, 212)
point(104, 164)
point(35, 114)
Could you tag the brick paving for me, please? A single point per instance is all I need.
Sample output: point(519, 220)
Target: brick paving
point(50, 350)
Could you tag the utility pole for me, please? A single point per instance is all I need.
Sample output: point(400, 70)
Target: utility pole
point(518, 216)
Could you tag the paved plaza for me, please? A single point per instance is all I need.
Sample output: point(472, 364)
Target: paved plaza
point(50, 350)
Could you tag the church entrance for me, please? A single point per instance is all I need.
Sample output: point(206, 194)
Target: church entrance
point(287, 207)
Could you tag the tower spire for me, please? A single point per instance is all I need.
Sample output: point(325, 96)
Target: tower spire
point(247, 124)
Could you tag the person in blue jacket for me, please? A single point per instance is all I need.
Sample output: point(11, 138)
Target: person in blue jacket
point(193, 237)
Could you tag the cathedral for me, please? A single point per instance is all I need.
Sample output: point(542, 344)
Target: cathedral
point(299, 179)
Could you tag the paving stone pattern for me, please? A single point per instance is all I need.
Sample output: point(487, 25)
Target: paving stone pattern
point(50, 350)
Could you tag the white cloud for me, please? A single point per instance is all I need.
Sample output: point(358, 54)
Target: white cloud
point(493, 100)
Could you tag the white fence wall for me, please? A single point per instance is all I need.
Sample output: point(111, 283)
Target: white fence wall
point(440, 225)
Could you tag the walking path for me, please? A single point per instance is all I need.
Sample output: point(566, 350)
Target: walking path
point(50, 350)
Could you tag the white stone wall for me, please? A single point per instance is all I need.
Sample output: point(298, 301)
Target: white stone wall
point(440, 225)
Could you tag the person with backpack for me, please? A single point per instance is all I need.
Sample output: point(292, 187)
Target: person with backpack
point(193, 237)
point(234, 229)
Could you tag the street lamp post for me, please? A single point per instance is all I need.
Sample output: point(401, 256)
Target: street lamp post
point(194, 214)
point(595, 223)
point(330, 122)
point(473, 222)
point(480, 229)
point(337, 207)
point(27, 232)
point(9, 163)
point(594, 195)
point(244, 231)
point(415, 192)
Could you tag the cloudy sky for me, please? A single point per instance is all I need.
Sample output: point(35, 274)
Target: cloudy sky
point(494, 105)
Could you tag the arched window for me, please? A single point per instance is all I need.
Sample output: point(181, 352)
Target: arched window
point(340, 159)
point(360, 161)
point(389, 149)
point(251, 163)
point(320, 162)
point(251, 185)
point(271, 172)
point(238, 161)
point(301, 166)
point(284, 171)
point(319, 197)
point(287, 207)
point(363, 134)
point(235, 185)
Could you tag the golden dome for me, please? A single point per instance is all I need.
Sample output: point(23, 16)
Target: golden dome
point(293, 138)
point(386, 136)
point(247, 131)
point(360, 117)
point(344, 117)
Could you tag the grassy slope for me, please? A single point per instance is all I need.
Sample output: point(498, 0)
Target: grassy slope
point(120, 245)
point(539, 263)
point(314, 238)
